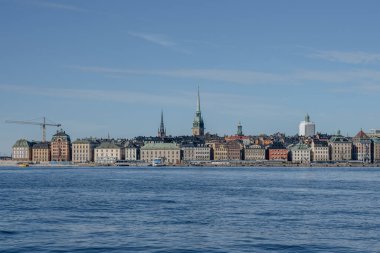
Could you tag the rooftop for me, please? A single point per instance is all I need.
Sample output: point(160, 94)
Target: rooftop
point(160, 146)
point(108, 145)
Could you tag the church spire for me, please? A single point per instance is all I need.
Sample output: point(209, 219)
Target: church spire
point(198, 124)
point(162, 131)
point(198, 102)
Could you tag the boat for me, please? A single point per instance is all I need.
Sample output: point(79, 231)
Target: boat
point(23, 165)
point(158, 162)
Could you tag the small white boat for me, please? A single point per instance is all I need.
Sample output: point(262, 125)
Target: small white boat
point(158, 162)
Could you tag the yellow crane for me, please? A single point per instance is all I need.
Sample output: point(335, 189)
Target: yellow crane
point(43, 124)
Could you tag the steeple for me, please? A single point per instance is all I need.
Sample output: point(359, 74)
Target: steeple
point(198, 124)
point(198, 102)
point(162, 131)
point(239, 129)
point(307, 118)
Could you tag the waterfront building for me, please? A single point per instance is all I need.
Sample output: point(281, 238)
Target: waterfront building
point(196, 153)
point(83, 150)
point(320, 151)
point(362, 147)
point(376, 150)
point(254, 153)
point(300, 153)
point(231, 150)
point(108, 152)
point(306, 127)
point(170, 153)
point(132, 152)
point(277, 151)
point(61, 147)
point(198, 124)
point(22, 150)
point(41, 152)
point(340, 148)
point(161, 133)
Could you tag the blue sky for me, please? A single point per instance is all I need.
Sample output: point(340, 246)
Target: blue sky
point(102, 67)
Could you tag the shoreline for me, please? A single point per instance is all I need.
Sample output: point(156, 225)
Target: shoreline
point(231, 164)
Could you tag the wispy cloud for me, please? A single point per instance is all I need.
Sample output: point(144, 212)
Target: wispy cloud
point(346, 57)
point(59, 6)
point(159, 39)
point(248, 77)
point(119, 96)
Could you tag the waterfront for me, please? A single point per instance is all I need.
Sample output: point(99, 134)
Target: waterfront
point(189, 209)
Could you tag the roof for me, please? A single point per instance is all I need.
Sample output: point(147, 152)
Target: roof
point(41, 145)
point(299, 146)
point(108, 145)
point(22, 143)
point(338, 138)
point(62, 135)
point(84, 141)
point(255, 146)
point(160, 146)
point(361, 135)
point(376, 140)
point(318, 143)
point(276, 145)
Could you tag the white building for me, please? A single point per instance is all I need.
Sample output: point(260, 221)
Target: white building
point(300, 153)
point(132, 152)
point(83, 150)
point(320, 151)
point(169, 153)
point(306, 127)
point(196, 153)
point(22, 150)
point(108, 153)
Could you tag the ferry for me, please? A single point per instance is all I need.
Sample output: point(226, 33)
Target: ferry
point(158, 162)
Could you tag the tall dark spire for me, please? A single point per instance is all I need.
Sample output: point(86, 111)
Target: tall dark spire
point(198, 102)
point(162, 131)
point(198, 124)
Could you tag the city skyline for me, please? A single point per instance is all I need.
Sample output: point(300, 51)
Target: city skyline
point(100, 68)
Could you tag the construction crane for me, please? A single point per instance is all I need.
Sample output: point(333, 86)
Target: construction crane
point(42, 124)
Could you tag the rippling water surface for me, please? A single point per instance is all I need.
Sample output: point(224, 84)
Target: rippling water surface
point(189, 210)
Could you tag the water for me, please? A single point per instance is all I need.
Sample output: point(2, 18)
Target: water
point(189, 210)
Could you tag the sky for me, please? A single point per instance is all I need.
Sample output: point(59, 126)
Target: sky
point(109, 67)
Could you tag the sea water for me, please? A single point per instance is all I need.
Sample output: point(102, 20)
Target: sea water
point(189, 209)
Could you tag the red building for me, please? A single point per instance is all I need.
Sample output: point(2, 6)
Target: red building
point(277, 151)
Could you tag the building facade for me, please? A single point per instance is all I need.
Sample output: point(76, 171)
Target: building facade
point(306, 127)
point(108, 152)
point(230, 150)
point(22, 150)
point(83, 150)
point(196, 153)
point(254, 153)
point(132, 152)
point(170, 153)
point(61, 147)
point(300, 153)
point(376, 150)
point(340, 148)
point(320, 151)
point(362, 147)
point(41, 152)
point(198, 123)
point(277, 151)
